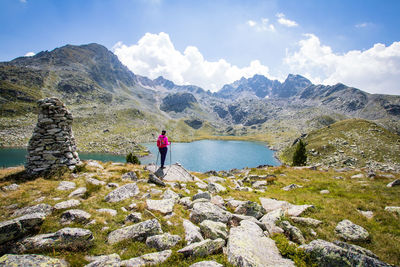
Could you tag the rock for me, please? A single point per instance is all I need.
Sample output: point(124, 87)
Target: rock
point(111, 260)
point(237, 218)
point(67, 204)
point(250, 208)
point(270, 204)
point(205, 195)
point(270, 219)
point(154, 180)
point(201, 185)
point(148, 259)
point(323, 192)
point(169, 194)
point(233, 204)
point(65, 186)
point(208, 211)
point(163, 242)
point(133, 217)
point(139, 231)
point(165, 206)
point(357, 176)
point(21, 226)
point(154, 192)
point(203, 248)
point(11, 260)
point(111, 212)
point(393, 209)
point(293, 232)
point(206, 264)
point(259, 184)
point(291, 187)
point(173, 173)
point(70, 216)
point(129, 176)
point(329, 254)
point(248, 246)
point(356, 249)
point(11, 187)
point(219, 201)
point(94, 181)
point(297, 210)
point(215, 179)
point(214, 230)
point(78, 192)
point(215, 188)
point(306, 221)
point(394, 183)
point(64, 239)
point(40, 208)
point(351, 232)
point(367, 214)
point(123, 192)
point(94, 164)
point(192, 232)
point(186, 202)
point(112, 185)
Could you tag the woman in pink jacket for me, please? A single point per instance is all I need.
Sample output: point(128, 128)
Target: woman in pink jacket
point(162, 143)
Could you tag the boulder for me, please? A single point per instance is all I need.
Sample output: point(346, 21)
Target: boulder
point(250, 208)
point(366, 213)
point(75, 215)
point(11, 187)
point(169, 194)
point(163, 241)
point(65, 186)
point(394, 183)
point(21, 226)
point(306, 221)
point(64, 239)
point(297, 210)
point(291, 187)
point(270, 219)
point(133, 217)
point(172, 173)
point(78, 192)
point(111, 260)
point(122, 192)
point(94, 181)
point(165, 206)
point(139, 231)
point(351, 232)
point(206, 264)
point(208, 211)
point(201, 185)
point(205, 195)
point(148, 259)
point(155, 180)
point(393, 209)
point(11, 260)
point(260, 184)
point(203, 248)
point(129, 176)
point(293, 232)
point(219, 201)
point(67, 204)
point(185, 201)
point(270, 204)
point(233, 203)
point(248, 246)
point(40, 208)
point(214, 230)
point(357, 176)
point(330, 254)
point(111, 212)
point(215, 179)
point(94, 164)
point(192, 232)
point(215, 188)
point(237, 218)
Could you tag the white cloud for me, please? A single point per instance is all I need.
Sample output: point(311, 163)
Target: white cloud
point(251, 23)
point(376, 70)
point(261, 26)
point(155, 55)
point(361, 25)
point(29, 54)
point(286, 22)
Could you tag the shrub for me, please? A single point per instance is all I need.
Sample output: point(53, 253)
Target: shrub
point(300, 156)
point(131, 158)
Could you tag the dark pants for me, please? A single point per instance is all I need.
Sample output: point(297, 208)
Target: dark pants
point(163, 152)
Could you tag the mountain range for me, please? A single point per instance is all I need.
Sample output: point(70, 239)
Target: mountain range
point(123, 108)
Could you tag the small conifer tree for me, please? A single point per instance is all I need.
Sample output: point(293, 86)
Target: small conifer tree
point(300, 156)
point(131, 158)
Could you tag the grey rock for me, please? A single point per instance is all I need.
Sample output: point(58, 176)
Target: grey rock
point(237, 218)
point(74, 215)
point(133, 217)
point(163, 241)
point(192, 232)
point(11, 260)
point(394, 183)
point(94, 164)
point(40, 208)
point(186, 202)
point(21, 226)
point(214, 230)
point(201, 185)
point(130, 176)
point(94, 181)
point(148, 259)
point(65, 186)
point(250, 208)
point(215, 188)
point(270, 219)
point(215, 179)
point(112, 185)
point(173, 173)
point(297, 210)
point(206, 264)
point(111, 212)
point(248, 246)
point(293, 232)
point(123, 192)
point(270, 204)
point(259, 184)
point(219, 201)
point(233, 204)
point(205, 195)
point(67, 204)
point(306, 221)
point(357, 176)
point(329, 254)
point(78, 192)
point(291, 187)
point(393, 209)
point(203, 248)
point(11, 187)
point(155, 180)
point(169, 194)
point(139, 231)
point(208, 211)
point(165, 206)
point(324, 192)
point(366, 213)
point(111, 260)
point(356, 249)
point(351, 232)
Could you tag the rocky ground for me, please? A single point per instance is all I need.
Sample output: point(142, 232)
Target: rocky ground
point(108, 214)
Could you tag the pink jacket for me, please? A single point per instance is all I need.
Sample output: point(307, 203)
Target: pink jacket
point(162, 141)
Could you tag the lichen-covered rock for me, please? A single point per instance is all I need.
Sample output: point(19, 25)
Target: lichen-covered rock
point(66, 185)
point(306, 221)
point(111, 212)
point(215, 188)
point(78, 192)
point(11, 260)
point(94, 181)
point(162, 242)
point(39, 208)
point(248, 246)
point(351, 232)
point(214, 179)
point(129, 176)
point(192, 232)
point(186, 202)
point(169, 194)
point(329, 254)
point(233, 203)
point(21, 226)
point(270, 219)
point(122, 192)
point(293, 232)
point(75, 215)
point(148, 259)
point(139, 231)
point(111, 260)
point(66, 238)
point(250, 208)
point(172, 173)
point(297, 210)
point(214, 230)
point(291, 187)
point(237, 218)
point(393, 209)
point(165, 206)
point(134, 217)
point(155, 180)
point(203, 248)
point(208, 211)
point(67, 204)
point(270, 204)
point(205, 195)
point(394, 183)
point(11, 187)
point(206, 264)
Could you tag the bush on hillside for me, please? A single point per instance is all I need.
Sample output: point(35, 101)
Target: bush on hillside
point(131, 158)
point(300, 156)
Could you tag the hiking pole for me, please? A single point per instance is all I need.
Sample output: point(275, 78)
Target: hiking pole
point(170, 155)
point(158, 153)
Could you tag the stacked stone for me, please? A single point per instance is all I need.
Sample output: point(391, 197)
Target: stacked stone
point(52, 144)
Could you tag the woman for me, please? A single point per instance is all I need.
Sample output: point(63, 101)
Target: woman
point(162, 143)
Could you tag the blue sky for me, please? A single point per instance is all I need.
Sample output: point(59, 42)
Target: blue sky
point(210, 43)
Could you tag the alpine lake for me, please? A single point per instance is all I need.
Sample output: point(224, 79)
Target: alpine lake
point(199, 156)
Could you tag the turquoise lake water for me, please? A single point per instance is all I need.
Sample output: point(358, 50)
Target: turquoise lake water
point(198, 156)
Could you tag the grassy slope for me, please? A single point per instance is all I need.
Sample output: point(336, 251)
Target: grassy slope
point(346, 196)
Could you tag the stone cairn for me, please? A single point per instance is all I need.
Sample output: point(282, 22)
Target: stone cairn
point(52, 144)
